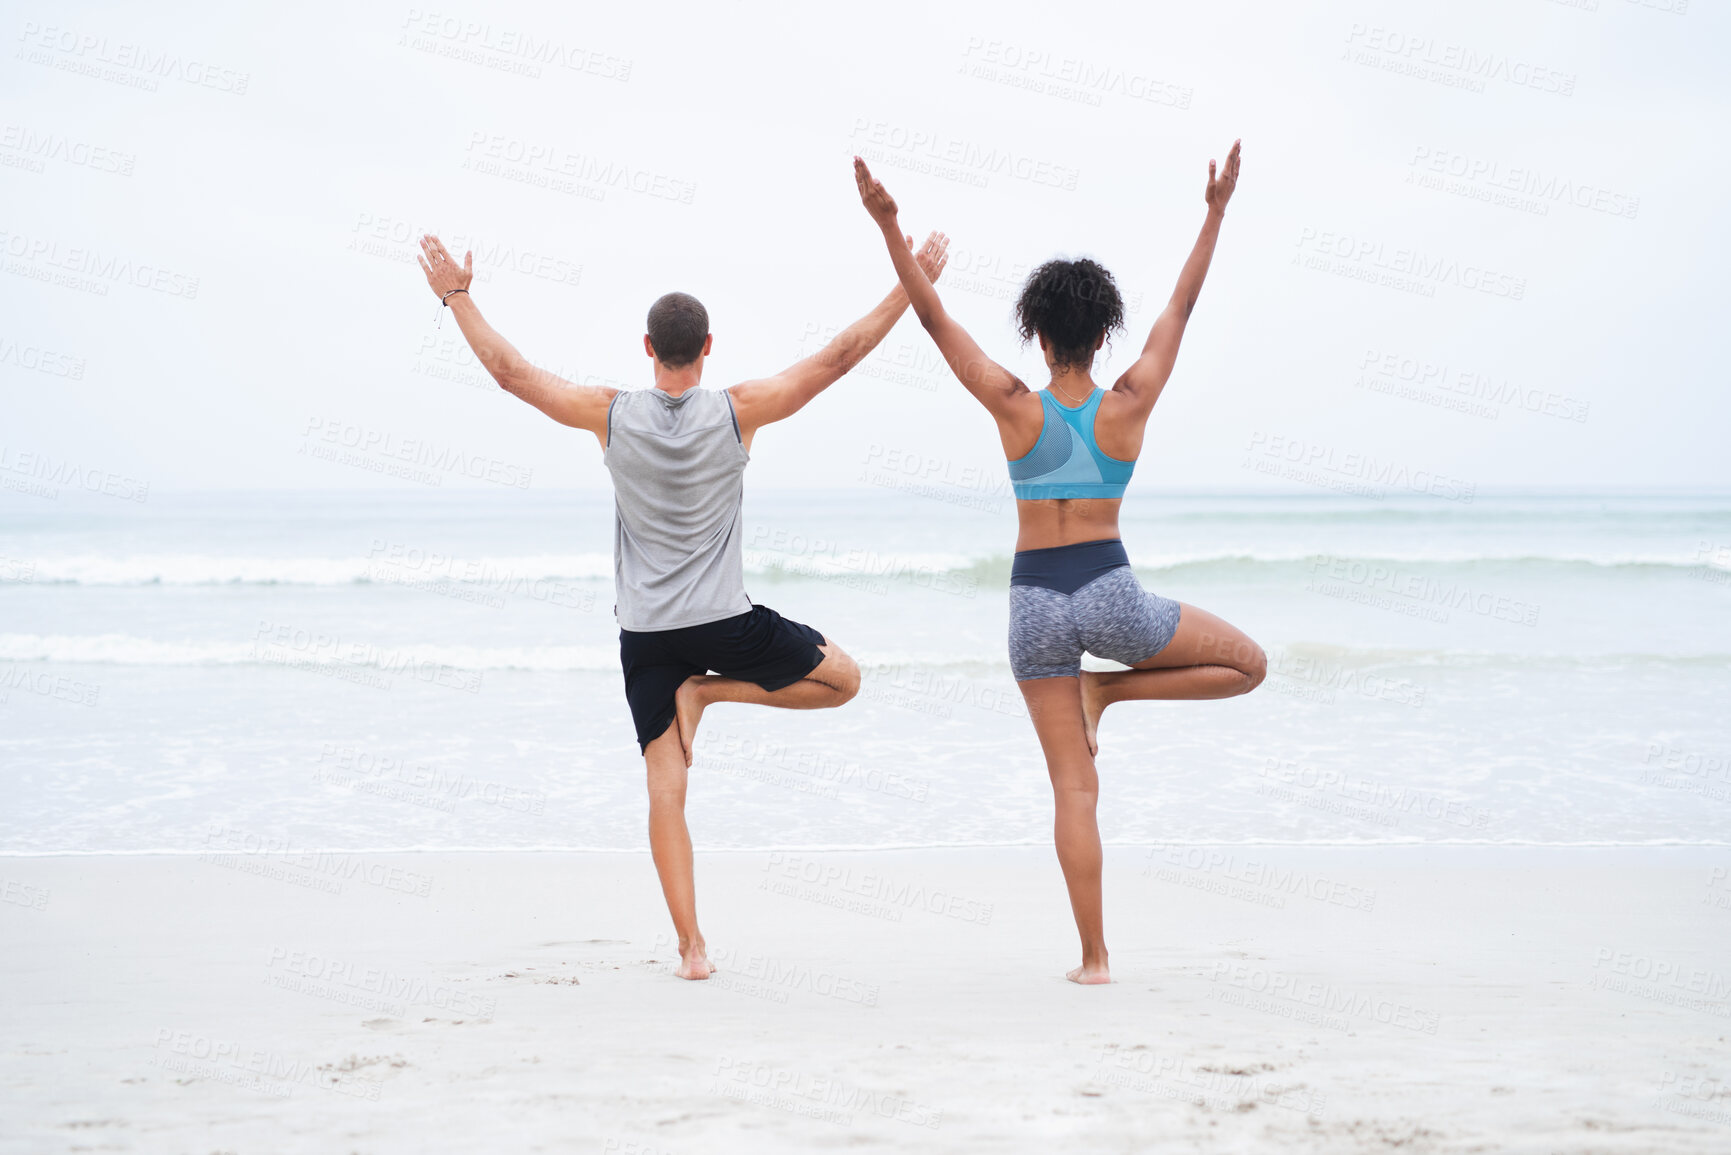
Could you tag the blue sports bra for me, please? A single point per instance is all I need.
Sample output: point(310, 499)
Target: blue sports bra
point(1065, 461)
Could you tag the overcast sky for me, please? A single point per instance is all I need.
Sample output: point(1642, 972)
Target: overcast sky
point(1485, 239)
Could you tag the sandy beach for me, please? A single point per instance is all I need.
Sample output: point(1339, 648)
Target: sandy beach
point(1317, 999)
point(403, 410)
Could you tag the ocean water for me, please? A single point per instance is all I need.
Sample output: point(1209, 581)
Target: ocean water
point(439, 671)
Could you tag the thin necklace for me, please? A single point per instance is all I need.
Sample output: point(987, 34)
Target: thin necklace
point(1066, 392)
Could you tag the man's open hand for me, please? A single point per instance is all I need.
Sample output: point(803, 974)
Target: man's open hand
point(1220, 188)
point(872, 193)
point(933, 255)
point(444, 276)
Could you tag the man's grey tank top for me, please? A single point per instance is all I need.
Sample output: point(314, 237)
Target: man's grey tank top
point(678, 469)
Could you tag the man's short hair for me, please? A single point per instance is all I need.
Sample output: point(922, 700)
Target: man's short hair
point(678, 324)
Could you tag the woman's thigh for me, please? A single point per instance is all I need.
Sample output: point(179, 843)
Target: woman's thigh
point(1203, 639)
point(1055, 708)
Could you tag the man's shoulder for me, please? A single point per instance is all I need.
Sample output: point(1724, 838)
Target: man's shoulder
point(694, 391)
point(697, 402)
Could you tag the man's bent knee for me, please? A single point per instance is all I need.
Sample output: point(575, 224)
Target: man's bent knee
point(839, 672)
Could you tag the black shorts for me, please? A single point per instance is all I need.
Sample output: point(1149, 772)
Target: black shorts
point(757, 646)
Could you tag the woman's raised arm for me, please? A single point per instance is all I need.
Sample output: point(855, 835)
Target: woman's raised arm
point(990, 383)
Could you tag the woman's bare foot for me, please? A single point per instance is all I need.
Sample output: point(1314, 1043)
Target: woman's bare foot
point(694, 962)
point(1090, 975)
point(1093, 705)
point(688, 703)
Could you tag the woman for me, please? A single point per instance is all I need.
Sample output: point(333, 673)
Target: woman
point(1071, 449)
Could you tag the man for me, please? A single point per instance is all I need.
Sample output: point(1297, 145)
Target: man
point(677, 454)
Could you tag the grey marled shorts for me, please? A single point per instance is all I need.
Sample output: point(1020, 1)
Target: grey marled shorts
point(1111, 617)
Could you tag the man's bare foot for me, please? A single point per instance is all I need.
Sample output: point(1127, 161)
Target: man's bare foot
point(1092, 707)
point(694, 963)
point(688, 706)
point(1089, 976)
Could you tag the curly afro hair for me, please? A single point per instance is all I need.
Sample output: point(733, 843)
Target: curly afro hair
point(1072, 304)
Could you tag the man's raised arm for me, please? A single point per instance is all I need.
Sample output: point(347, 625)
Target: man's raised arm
point(579, 406)
point(758, 403)
point(1144, 380)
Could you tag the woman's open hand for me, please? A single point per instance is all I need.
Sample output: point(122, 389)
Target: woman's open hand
point(1220, 188)
point(873, 195)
